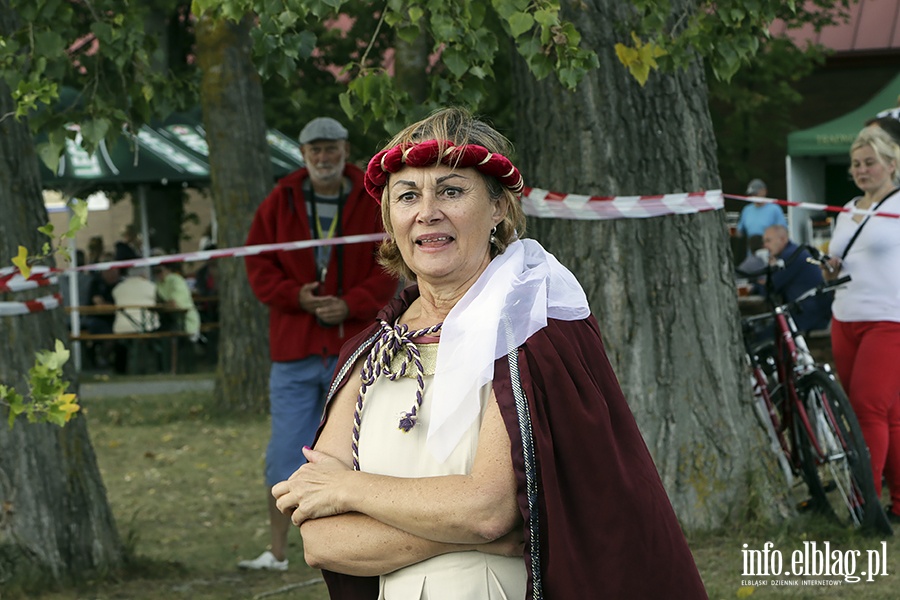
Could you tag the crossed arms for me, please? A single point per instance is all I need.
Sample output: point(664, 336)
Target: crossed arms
point(364, 524)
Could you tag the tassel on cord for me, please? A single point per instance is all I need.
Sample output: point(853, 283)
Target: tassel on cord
point(394, 340)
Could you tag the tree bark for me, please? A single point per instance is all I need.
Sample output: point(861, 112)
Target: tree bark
point(232, 101)
point(410, 63)
point(661, 288)
point(55, 522)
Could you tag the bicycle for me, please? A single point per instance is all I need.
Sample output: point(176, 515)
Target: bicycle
point(808, 419)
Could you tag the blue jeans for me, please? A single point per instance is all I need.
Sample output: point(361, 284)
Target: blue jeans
point(297, 392)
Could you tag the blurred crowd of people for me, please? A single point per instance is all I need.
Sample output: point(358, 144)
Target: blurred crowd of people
point(163, 287)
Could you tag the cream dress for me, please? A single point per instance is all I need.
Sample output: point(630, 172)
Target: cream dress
point(385, 449)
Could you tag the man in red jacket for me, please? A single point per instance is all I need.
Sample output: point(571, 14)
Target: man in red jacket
point(317, 298)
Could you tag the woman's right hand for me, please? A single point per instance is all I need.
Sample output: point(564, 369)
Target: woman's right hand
point(831, 268)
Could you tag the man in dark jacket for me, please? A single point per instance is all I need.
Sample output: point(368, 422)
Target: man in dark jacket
point(317, 298)
point(797, 276)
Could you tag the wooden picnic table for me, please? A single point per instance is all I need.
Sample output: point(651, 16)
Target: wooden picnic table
point(145, 320)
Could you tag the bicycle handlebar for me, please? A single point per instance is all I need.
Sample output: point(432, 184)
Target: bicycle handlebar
point(823, 287)
point(817, 257)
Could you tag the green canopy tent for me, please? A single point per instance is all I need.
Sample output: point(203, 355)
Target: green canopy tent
point(172, 152)
point(169, 152)
point(143, 159)
point(818, 159)
point(185, 130)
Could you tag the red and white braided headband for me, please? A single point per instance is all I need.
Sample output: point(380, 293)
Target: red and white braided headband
point(429, 153)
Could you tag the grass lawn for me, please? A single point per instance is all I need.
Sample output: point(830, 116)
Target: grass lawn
point(186, 488)
point(719, 557)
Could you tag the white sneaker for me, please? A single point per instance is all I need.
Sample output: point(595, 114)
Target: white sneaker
point(265, 561)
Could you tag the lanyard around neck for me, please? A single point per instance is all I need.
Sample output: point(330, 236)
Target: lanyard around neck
point(315, 214)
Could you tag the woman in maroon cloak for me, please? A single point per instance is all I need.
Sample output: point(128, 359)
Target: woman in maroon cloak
point(476, 443)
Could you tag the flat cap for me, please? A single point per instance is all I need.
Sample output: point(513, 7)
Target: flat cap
point(755, 187)
point(322, 128)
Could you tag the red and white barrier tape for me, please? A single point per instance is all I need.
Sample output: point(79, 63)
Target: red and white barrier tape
point(810, 206)
point(11, 279)
point(30, 306)
point(40, 274)
point(554, 205)
point(229, 252)
point(535, 202)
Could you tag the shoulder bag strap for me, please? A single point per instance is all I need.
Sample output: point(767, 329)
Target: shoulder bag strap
point(863, 224)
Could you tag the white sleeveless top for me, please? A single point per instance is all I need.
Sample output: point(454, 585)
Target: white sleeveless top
point(385, 449)
point(874, 264)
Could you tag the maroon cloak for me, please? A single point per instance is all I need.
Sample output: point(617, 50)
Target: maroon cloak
point(603, 525)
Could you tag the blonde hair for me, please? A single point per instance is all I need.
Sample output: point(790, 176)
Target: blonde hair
point(880, 141)
point(458, 126)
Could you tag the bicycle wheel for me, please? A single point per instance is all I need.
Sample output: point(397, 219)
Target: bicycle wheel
point(840, 477)
point(768, 407)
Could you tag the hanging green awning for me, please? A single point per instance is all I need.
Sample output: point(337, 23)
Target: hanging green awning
point(835, 137)
point(173, 151)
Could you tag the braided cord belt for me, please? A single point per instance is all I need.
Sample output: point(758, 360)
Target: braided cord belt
point(394, 340)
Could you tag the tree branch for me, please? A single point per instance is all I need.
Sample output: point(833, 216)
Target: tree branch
point(362, 61)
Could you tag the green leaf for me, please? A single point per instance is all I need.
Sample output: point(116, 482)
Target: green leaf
point(50, 153)
point(96, 129)
point(455, 62)
point(444, 28)
point(287, 18)
point(307, 43)
point(392, 18)
point(368, 89)
point(50, 43)
point(519, 23)
point(47, 230)
point(569, 77)
point(55, 415)
point(16, 403)
point(546, 18)
point(541, 65)
point(79, 218)
point(409, 33)
point(529, 47)
point(415, 13)
point(103, 31)
point(347, 105)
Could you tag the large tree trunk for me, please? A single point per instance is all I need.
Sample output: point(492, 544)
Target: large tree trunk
point(55, 522)
point(410, 62)
point(661, 288)
point(232, 100)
